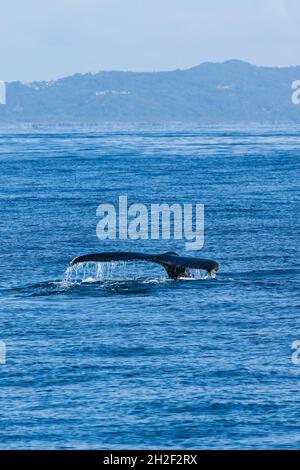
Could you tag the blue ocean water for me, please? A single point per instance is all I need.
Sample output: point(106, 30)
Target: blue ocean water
point(143, 362)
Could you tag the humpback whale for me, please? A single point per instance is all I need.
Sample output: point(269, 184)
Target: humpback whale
point(175, 265)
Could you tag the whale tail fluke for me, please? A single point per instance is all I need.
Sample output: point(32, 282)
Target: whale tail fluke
point(176, 266)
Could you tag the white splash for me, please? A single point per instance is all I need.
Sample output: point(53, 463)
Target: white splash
point(197, 274)
point(88, 272)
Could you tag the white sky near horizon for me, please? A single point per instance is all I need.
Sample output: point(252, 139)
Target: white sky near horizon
point(48, 39)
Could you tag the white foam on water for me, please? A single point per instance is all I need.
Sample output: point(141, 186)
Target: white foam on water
point(89, 280)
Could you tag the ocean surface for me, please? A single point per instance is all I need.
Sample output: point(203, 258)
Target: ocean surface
point(124, 357)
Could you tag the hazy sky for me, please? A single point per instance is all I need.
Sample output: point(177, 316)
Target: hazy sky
point(46, 39)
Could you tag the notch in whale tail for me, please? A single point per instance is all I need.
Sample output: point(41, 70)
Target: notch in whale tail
point(176, 266)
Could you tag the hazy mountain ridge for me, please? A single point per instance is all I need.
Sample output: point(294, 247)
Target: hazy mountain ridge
point(232, 91)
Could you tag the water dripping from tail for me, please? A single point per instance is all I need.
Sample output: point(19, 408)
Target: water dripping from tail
point(89, 273)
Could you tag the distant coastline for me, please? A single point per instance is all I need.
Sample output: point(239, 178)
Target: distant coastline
point(227, 93)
